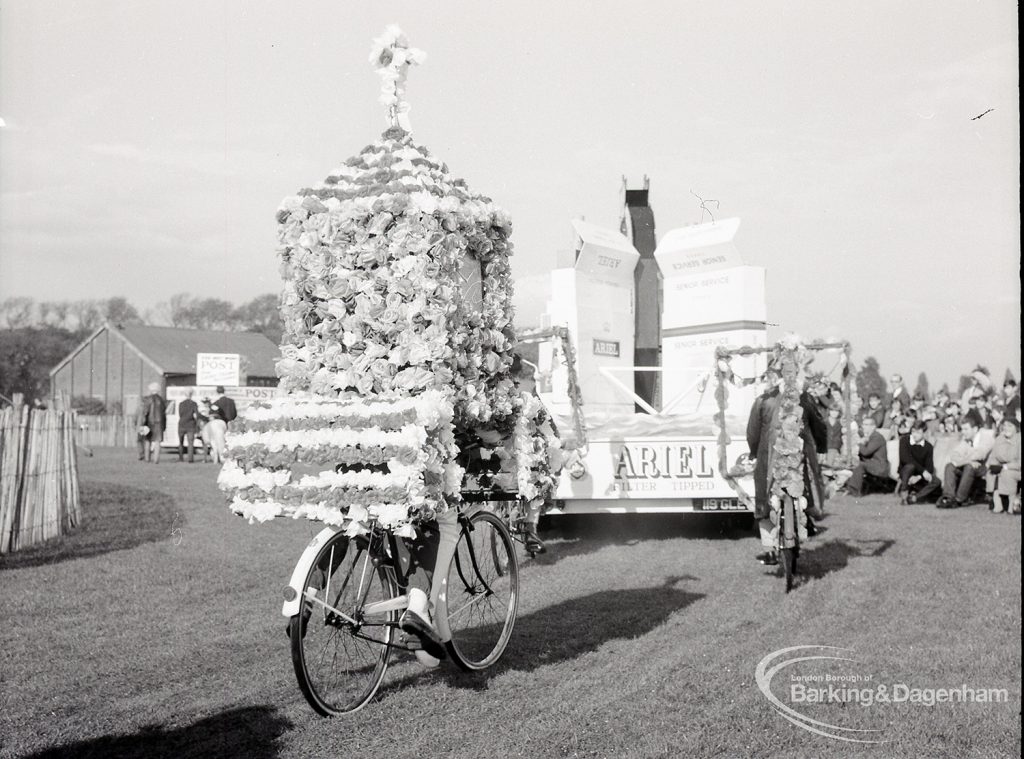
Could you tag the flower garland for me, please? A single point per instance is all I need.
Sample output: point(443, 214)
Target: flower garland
point(383, 357)
point(398, 460)
point(787, 474)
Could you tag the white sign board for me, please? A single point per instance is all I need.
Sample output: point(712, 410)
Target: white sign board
point(715, 297)
point(698, 249)
point(217, 369)
point(644, 468)
point(599, 314)
point(605, 254)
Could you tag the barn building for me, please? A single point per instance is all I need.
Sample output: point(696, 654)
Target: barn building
point(116, 364)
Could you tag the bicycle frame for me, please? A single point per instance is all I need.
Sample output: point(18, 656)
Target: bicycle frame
point(387, 554)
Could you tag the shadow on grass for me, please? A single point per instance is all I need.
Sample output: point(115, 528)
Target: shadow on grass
point(250, 731)
point(114, 517)
point(569, 629)
point(836, 554)
point(568, 535)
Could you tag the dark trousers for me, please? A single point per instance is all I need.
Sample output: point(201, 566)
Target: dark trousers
point(143, 445)
point(957, 481)
point(924, 490)
point(861, 482)
point(190, 435)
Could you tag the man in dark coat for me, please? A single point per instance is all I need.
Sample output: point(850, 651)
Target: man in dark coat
point(226, 406)
point(155, 418)
point(874, 460)
point(762, 428)
point(188, 426)
point(917, 468)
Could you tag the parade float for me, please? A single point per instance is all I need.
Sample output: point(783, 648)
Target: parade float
point(651, 355)
point(398, 342)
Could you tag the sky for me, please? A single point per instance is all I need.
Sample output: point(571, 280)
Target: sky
point(146, 145)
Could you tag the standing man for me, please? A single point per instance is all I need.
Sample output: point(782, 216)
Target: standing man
point(188, 426)
point(155, 410)
point(917, 466)
point(966, 462)
point(898, 392)
point(228, 412)
point(874, 460)
point(762, 431)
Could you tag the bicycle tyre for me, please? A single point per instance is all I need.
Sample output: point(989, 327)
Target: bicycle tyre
point(789, 535)
point(788, 566)
point(482, 593)
point(339, 672)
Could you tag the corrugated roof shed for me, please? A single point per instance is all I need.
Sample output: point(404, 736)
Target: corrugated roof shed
point(174, 350)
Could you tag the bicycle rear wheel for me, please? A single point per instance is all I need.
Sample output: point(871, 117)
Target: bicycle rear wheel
point(340, 663)
point(482, 592)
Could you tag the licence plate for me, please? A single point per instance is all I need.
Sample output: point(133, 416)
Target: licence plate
point(718, 504)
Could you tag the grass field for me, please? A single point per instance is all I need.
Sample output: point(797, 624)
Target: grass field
point(155, 631)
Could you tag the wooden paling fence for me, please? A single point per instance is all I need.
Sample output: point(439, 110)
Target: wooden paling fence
point(39, 496)
point(115, 430)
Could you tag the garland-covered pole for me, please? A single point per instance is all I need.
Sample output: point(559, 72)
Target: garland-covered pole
point(847, 408)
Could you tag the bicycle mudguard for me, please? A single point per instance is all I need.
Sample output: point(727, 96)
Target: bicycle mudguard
point(301, 571)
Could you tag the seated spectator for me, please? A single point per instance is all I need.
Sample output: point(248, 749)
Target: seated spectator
point(941, 399)
point(981, 407)
point(930, 416)
point(1003, 480)
point(950, 426)
point(873, 470)
point(918, 482)
point(966, 463)
point(1011, 398)
point(953, 410)
point(875, 410)
point(980, 385)
point(834, 437)
point(891, 422)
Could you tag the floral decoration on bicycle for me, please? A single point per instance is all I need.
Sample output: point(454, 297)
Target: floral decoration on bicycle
point(398, 337)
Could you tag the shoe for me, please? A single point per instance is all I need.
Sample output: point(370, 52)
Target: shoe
point(943, 502)
point(958, 504)
point(532, 541)
point(413, 623)
point(911, 499)
point(814, 512)
point(811, 529)
point(768, 558)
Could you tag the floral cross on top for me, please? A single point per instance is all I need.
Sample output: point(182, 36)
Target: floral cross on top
point(391, 56)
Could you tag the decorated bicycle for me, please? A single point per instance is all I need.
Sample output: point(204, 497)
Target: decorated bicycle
point(399, 416)
point(785, 434)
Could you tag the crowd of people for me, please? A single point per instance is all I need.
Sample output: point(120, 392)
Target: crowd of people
point(947, 447)
point(206, 422)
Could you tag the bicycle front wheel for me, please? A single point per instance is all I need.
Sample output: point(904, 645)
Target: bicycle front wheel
point(340, 659)
point(482, 592)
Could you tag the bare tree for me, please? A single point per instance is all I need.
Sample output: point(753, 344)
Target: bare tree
point(88, 314)
point(180, 307)
point(17, 312)
point(120, 311)
point(158, 315)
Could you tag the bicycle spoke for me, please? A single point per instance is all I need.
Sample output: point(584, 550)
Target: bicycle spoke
point(339, 661)
point(482, 593)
